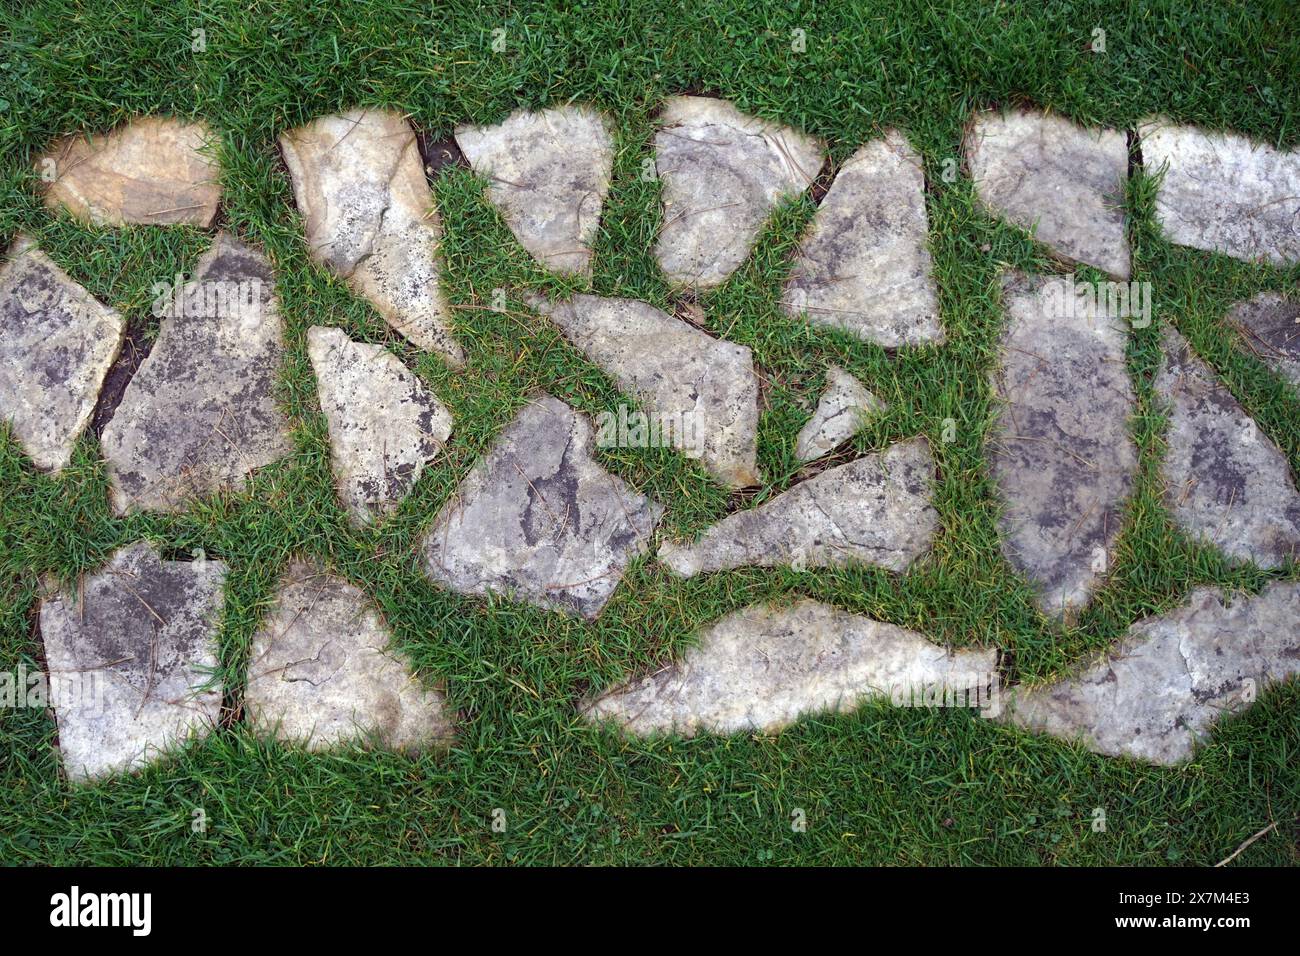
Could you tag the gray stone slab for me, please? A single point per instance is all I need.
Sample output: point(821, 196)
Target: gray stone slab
point(132, 655)
point(154, 170)
point(761, 668)
point(359, 183)
point(1271, 327)
point(722, 173)
point(1064, 182)
point(548, 173)
point(384, 424)
point(539, 519)
point(864, 267)
point(874, 510)
point(1226, 483)
point(1159, 693)
point(1224, 193)
point(705, 386)
point(844, 407)
point(322, 672)
point(200, 413)
point(1063, 461)
point(56, 345)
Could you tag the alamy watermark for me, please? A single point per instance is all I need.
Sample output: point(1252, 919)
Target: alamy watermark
point(1070, 298)
point(628, 428)
point(80, 690)
point(982, 692)
point(216, 298)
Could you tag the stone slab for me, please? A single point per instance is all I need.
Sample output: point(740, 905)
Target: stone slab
point(1271, 327)
point(842, 410)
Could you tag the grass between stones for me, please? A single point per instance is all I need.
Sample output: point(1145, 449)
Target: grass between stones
point(882, 785)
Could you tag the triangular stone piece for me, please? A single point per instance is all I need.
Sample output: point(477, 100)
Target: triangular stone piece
point(359, 183)
point(131, 657)
point(539, 519)
point(702, 389)
point(875, 510)
point(1271, 325)
point(843, 409)
point(154, 171)
point(1226, 483)
point(384, 424)
point(723, 173)
point(864, 268)
point(200, 413)
point(760, 669)
point(1062, 181)
point(548, 173)
point(322, 672)
point(57, 342)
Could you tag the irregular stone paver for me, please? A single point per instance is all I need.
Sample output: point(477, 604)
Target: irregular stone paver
point(1062, 458)
point(1224, 193)
point(864, 267)
point(722, 172)
point(1226, 483)
point(200, 413)
point(322, 672)
point(153, 170)
point(131, 658)
point(538, 518)
point(761, 668)
point(1063, 181)
point(548, 172)
point(384, 424)
point(1172, 676)
point(57, 342)
point(359, 183)
point(705, 387)
point(1271, 325)
point(875, 510)
point(841, 412)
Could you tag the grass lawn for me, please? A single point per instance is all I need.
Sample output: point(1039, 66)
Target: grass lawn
point(880, 786)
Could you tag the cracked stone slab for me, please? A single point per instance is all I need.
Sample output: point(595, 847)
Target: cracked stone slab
point(843, 409)
point(1172, 676)
point(131, 658)
point(539, 519)
point(864, 268)
point(761, 668)
point(705, 386)
point(1224, 193)
point(1064, 182)
point(1271, 326)
point(359, 183)
point(1062, 458)
point(548, 173)
point(1226, 483)
point(154, 170)
point(384, 424)
point(57, 342)
point(200, 413)
point(322, 672)
point(874, 510)
point(722, 174)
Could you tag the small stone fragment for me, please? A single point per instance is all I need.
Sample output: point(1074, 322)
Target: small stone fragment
point(723, 173)
point(322, 672)
point(1062, 181)
point(359, 184)
point(384, 424)
point(864, 267)
point(538, 518)
point(200, 413)
point(1226, 483)
point(701, 391)
point(155, 171)
point(1271, 325)
point(1063, 461)
point(57, 342)
point(1173, 675)
point(131, 657)
point(761, 668)
point(548, 172)
point(1224, 193)
point(841, 413)
point(874, 510)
